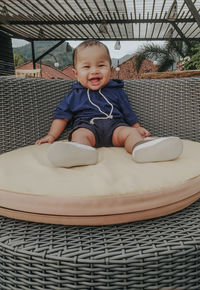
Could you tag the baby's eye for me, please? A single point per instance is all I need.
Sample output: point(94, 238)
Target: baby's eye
point(86, 66)
point(100, 65)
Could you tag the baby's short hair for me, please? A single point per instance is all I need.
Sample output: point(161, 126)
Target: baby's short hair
point(86, 43)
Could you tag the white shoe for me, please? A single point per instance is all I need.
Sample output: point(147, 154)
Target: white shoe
point(69, 154)
point(160, 149)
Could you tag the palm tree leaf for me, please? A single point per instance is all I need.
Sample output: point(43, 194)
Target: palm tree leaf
point(154, 52)
point(137, 61)
point(165, 64)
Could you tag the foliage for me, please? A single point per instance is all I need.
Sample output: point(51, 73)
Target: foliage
point(59, 55)
point(19, 59)
point(166, 55)
point(194, 62)
point(163, 55)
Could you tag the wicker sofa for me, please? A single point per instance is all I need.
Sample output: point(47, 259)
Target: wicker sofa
point(162, 253)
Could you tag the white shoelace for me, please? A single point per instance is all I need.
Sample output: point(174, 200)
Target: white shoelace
point(108, 116)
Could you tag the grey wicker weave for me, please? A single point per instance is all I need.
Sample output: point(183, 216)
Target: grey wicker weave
point(163, 253)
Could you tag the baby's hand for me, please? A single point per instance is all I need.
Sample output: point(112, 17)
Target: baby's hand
point(143, 132)
point(46, 139)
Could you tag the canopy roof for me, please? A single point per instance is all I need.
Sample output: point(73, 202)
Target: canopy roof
point(101, 19)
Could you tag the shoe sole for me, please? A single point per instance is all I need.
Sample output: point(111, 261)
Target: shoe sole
point(69, 154)
point(161, 149)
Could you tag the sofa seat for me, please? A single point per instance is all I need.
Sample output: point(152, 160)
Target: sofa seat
point(115, 190)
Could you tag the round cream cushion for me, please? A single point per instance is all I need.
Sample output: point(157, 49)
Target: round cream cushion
point(114, 190)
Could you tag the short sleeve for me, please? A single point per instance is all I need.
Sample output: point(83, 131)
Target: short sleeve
point(63, 109)
point(128, 113)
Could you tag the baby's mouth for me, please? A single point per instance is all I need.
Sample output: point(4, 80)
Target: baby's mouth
point(95, 80)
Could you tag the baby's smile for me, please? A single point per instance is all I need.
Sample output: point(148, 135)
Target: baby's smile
point(95, 80)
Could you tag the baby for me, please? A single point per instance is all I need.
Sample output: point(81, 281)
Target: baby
point(101, 116)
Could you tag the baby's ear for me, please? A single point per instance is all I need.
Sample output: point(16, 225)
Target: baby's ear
point(74, 72)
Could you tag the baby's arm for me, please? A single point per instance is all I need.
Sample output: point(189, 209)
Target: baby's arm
point(57, 127)
point(143, 132)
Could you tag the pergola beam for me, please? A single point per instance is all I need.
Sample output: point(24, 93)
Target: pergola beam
point(181, 34)
point(43, 55)
point(12, 34)
point(49, 50)
point(119, 38)
point(193, 10)
point(90, 22)
point(33, 54)
point(125, 20)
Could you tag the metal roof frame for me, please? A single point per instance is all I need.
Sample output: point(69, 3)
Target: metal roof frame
point(81, 19)
point(62, 20)
point(194, 11)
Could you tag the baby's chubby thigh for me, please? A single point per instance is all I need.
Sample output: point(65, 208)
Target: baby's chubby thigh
point(124, 136)
point(84, 136)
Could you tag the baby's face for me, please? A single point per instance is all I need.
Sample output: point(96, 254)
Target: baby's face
point(92, 68)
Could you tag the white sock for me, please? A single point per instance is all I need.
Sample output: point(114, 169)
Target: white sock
point(69, 154)
point(159, 149)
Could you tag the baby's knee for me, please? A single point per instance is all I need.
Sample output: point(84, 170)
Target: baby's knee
point(83, 135)
point(121, 134)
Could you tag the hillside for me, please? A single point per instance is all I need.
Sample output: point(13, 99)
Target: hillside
point(62, 57)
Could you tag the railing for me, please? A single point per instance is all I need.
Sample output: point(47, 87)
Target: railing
point(28, 73)
point(170, 74)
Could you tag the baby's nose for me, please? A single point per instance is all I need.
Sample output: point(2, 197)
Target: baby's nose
point(94, 69)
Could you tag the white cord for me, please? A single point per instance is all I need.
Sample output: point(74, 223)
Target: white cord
point(108, 116)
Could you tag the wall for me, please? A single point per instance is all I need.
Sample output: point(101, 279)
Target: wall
point(6, 55)
point(128, 72)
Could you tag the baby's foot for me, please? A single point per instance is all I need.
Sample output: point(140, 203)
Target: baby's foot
point(69, 154)
point(160, 149)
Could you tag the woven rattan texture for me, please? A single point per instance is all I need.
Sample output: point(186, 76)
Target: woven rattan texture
point(27, 107)
point(167, 106)
point(162, 253)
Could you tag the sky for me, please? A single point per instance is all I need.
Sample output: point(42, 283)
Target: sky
point(127, 47)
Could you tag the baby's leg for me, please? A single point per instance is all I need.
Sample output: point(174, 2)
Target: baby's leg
point(126, 137)
point(75, 153)
point(145, 150)
point(84, 136)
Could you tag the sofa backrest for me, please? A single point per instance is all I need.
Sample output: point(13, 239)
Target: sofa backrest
point(164, 106)
point(167, 106)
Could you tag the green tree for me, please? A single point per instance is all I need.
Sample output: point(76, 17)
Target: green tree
point(164, 55)
point(19, 59)
point(62, 54)
point(194, 62)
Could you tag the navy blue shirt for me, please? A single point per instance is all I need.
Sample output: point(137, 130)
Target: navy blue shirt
point(76, 105)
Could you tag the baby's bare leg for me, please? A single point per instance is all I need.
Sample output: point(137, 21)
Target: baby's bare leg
point(84, 136)
point(126, 137)
point(159, 149)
